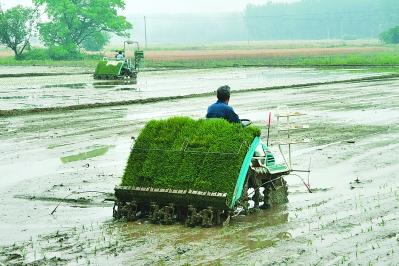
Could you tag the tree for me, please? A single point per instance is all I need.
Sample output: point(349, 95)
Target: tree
point(17, 27)
point(96, 41)
point(390, 36)
point(321, 19)
point(74, 21)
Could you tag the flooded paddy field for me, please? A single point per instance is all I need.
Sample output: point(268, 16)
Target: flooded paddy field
point(73, 159)
point(79, 89)
point(40, 70)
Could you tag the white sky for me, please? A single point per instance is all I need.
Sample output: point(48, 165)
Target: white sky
point(171, 6)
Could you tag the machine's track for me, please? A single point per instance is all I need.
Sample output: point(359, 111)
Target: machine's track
point(197, 208)
point(167, 206)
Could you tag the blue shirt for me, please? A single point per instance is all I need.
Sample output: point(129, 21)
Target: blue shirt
point(222, 110)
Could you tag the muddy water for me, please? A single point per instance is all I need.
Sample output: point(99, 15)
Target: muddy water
point(35, 92)
point(353, 133)
point(4, 70)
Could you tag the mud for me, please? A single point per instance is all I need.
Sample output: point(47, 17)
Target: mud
point(26, 93)
point(351, 217)
point(16, 112)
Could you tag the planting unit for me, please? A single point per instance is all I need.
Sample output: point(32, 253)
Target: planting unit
point(198, 172)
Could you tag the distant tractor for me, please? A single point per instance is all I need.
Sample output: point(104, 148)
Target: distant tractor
point(120, 67)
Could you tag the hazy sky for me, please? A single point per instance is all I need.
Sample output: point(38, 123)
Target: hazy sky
point(171, 6)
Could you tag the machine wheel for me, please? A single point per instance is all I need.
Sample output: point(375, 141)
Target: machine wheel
point(275, 190)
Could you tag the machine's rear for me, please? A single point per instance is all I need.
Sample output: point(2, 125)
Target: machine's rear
point(196, 172)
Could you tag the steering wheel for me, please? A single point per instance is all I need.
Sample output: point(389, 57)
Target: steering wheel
point(245, 122)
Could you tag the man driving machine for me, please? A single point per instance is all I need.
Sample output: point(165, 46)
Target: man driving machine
point(221, 108)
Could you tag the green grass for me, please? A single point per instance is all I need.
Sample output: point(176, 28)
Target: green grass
point(182, 153)
point(366, 59)
point(86, 155)
point(384, 60)
point(11, 61)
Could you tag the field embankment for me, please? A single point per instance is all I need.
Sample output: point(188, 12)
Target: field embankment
point(199, 57)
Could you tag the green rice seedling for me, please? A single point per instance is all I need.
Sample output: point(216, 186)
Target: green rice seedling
point(182, 153)
point(86, 155)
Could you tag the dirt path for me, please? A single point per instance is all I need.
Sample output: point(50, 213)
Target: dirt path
point(173, 55)
point(353, 135)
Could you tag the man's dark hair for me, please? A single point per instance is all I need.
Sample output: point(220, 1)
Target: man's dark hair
point(223, 93)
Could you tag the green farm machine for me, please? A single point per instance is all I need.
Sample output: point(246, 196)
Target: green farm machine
point(198, 172)
point(120, 67)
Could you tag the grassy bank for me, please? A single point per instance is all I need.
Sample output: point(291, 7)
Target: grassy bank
point(385, 61)
point(11, 61)
point(378, 59)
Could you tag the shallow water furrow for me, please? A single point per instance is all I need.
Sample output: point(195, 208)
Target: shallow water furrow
point(50, 93)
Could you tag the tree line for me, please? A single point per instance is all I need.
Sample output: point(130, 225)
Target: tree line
point(71, 25)
point(322, 19)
